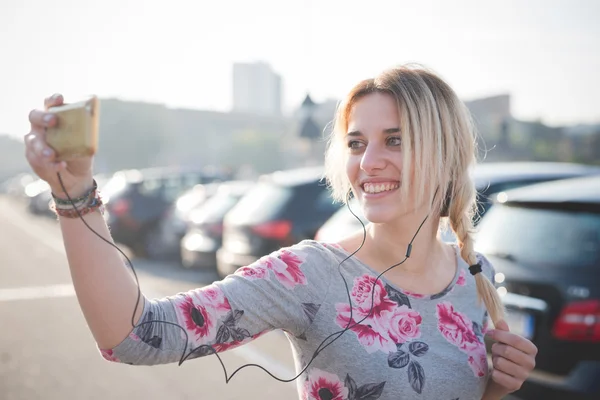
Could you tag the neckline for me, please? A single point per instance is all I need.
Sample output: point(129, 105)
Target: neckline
point(413, 295)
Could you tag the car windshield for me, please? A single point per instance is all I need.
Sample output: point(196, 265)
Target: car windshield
point(541, 237)
point(260, 204)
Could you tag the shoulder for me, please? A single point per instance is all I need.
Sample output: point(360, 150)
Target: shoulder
point(308, 257)
point(311, 252)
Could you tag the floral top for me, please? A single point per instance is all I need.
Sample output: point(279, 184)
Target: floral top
point(411, 347)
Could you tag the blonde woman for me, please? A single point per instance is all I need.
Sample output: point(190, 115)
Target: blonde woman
point(402, 144)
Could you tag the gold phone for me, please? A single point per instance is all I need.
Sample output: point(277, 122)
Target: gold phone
point(75, 134)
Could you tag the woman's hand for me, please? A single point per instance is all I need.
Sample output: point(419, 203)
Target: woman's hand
point(513, 358)
point(76, 174)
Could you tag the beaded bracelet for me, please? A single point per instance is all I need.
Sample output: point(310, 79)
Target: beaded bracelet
point(81, 199)
point(92, 204)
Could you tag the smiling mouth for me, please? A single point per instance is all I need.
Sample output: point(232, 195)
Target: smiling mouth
point(374, 188)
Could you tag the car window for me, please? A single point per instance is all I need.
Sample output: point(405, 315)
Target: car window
point(261, 203)
point(173, 186)
point(150, 187)
point(485, 196)
point(542, 237)
point(324, 202)
point(216, 207)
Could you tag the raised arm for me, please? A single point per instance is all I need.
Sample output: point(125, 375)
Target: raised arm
point(283, 290)
point(105, 289)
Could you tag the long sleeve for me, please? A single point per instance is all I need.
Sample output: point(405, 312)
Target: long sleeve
point(282, 290)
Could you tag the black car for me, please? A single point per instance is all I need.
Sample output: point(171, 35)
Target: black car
point(283, 208)
point(137, 200)
point(489, 178)
point(204, 234)
point(544, 241)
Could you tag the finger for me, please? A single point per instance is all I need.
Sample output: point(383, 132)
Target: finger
point(53, 101)
point(41, 119)
point(502, 325)
point(32, 158)
point(35, 144)
point(514, 355)
point(510, 368)
point(513, 340)
point(42, 150)
point(509, 382)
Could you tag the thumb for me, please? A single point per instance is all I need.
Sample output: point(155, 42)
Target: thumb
point(501, 325)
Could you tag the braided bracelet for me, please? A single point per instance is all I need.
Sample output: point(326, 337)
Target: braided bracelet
point(93, 204)
point(80, 199)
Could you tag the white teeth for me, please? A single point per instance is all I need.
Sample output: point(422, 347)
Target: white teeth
point(378, 188)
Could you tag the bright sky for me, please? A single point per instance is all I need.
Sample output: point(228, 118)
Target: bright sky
point(546, 53)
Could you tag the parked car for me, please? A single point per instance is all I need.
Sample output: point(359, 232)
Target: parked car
point(174, 224)
point(544, 241)
point(38, 197)
point(204, 234)
point(490, 179)
point(137, 200)
point(283, 208)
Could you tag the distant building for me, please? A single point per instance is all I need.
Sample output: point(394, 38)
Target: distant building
point(496, 108)
point(256, 89)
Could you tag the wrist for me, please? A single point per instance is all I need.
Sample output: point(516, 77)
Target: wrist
point(74, 191)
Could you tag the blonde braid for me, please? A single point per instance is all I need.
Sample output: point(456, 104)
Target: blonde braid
point(461, 217)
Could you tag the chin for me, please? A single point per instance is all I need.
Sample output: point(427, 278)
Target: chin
point(380, 215)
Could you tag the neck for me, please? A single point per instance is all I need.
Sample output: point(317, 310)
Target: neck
point(389, 243)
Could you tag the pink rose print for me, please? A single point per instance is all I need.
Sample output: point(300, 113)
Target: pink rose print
point(257, 271)
point(324, 385)
point(108, 355)
point(362, 297)
point(200, 323)
point(461, 278)
point(478, 361)
point(134, 337)
point(286, 267)
point(403, 324)
point(370, 334)
point(456, 328)
point(213, 298)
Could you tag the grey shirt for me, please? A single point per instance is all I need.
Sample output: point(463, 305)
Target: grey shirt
point(410, 346)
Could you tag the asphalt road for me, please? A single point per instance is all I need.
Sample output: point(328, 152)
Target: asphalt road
point(47, 352)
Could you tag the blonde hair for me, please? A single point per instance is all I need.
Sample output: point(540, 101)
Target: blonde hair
point(438, 146)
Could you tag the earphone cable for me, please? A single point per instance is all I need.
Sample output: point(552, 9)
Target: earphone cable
point(208, 349)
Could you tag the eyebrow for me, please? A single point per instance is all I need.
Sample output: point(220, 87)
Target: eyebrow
point(388, 131)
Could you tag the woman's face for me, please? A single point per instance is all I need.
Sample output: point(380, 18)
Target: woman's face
point(374, 157)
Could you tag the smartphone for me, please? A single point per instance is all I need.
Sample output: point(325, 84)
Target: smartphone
point(75, 134)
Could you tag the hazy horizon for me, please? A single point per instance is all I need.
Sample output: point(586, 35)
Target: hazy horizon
point(181, 53)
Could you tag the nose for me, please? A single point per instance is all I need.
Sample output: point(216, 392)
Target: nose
point(372, 159)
